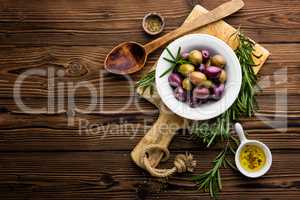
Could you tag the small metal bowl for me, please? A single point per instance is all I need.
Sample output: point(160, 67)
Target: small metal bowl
point(156, 18)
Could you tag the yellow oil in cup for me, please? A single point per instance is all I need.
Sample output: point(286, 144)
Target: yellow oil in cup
point(252, 158)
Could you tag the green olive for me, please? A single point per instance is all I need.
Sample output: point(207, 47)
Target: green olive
point(185, 69)
point(186, 84)
point(223, 76)
point(218, 60)
point(195, 57)
point(197, 78)
point(207, 83)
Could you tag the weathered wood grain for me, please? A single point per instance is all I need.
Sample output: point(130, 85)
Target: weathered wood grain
point(91, 175)
point(42, 132)
point(85, 64)
point(268, 104)
point(108, 23)
point(42, 157)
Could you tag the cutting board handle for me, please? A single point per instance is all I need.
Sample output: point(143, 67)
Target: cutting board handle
point(160, 134)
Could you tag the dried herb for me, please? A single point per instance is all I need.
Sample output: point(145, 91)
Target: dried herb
point(154, 24)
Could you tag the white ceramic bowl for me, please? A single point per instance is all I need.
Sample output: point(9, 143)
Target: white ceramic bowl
point(232, 86)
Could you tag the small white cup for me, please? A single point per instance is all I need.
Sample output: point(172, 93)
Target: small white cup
point(244, 141)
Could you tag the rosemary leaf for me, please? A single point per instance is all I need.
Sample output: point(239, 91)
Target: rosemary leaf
point(170, 61)
point(178, 53)
point(147, 81)
point(169, 52)
point(167, 71)
point(175, 62)
point(211, 180)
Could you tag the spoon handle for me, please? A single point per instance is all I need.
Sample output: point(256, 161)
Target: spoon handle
point(216, 14)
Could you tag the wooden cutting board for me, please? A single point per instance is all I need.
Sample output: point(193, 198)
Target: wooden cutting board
point(162, 136)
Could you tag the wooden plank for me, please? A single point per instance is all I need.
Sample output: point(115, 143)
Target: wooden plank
point(90, 175)
point(107, 23)
point(42, 132)
point(85, 64)
point(268, 104)
point(96, 26)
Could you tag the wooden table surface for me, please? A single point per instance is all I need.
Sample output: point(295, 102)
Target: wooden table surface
point(65, 153)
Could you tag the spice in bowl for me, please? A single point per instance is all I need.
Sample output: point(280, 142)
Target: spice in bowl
point(153, 23)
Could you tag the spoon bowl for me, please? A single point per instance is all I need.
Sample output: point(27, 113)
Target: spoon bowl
point(126, 58)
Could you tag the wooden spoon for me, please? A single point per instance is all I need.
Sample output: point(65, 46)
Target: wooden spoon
point(130, 57)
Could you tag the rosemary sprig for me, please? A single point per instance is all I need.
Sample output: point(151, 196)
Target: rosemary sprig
point(218, 130)
point(175, 61)
point(246, 103)
point(209, 132)
point(147, 81)
point(210, 181)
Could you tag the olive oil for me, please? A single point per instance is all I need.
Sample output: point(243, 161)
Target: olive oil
point(252, 158)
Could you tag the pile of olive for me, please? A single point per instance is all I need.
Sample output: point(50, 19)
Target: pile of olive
point(201, 79)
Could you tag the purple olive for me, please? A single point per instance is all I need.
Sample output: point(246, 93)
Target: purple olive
point(196, 102)
point(192, 101)
point(189, 99)
point(205, 55)
point(185, 55)
point(218, 91)
point(175, 80)
point(180, 94)
point(200, 93)
point(201, 68)
point(212, 71)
